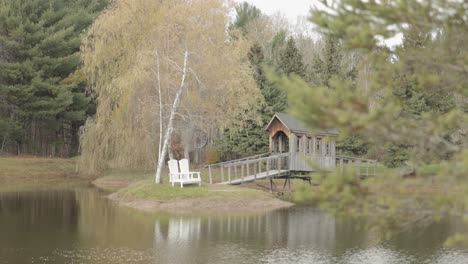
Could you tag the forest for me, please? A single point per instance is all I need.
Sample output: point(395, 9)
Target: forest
point(109, 82)
point(51, 82)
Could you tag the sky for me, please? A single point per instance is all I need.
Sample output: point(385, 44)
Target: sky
point(290, 8)
point(295, 8)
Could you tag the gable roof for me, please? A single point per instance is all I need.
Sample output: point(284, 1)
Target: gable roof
point(295, 125)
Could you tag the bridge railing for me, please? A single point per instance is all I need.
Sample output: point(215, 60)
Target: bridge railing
point(239, 160)
point(363, 167)
point(250, 166)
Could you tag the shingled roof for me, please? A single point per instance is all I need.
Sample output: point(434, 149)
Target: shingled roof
point(295, 125)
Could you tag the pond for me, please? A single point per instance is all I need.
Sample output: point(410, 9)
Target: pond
point(79, 225)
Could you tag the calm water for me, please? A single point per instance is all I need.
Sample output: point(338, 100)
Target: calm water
point(81, 226)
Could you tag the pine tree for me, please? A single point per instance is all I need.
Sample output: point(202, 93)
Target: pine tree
point(41, 89)
point(414, 97)
point(245, 13)
point(250, 138)
point(329, 63)
point(290, 61)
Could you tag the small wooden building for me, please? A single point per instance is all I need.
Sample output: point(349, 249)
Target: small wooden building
point(287, 134)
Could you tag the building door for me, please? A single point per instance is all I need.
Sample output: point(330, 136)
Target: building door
point(280, 145)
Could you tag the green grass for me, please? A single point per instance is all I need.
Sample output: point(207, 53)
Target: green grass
point(133, 175)
point(431, 169)
point(147, 189)
point(22, 167)
point(138, 175)
point(41, 184)
point(165, 191)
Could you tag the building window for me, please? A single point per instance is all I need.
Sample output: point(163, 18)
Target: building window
point(298, 143)
point(318, 146)
point(327, 149)
point(308, 145)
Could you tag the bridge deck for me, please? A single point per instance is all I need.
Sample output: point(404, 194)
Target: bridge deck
point(268, 165)
point(258, 176)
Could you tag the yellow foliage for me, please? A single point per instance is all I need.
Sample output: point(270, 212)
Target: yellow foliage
point(212, 156)
point(121, 54)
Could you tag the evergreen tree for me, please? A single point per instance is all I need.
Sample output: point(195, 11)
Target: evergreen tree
point(277, 45)
point(245, 13)
point(415, 94)
point(250, 139)
point(41, 89)
point(290, 60)
point(329, 63)
point(414, 97)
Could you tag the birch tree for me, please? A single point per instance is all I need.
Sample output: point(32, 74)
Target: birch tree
point(170, 125)
point(154, 67)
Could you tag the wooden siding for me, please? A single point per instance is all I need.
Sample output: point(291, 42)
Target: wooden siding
point(303, 148)
point(305, 155)
point(275, 127)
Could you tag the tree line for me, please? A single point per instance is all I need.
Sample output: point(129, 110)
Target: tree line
point(43, 97)
point(120, 65)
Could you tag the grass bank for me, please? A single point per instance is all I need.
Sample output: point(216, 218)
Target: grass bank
point(136, 189)
point(12, 168)
point(27, 173)
point(146, 196)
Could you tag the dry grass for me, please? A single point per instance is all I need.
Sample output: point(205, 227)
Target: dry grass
point(31, 167)
point(27, 173)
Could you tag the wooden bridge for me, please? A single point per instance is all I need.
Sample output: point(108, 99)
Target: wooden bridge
point(271, 166)
point(294, 152)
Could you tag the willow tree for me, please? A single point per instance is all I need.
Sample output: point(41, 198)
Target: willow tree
point(139, 57)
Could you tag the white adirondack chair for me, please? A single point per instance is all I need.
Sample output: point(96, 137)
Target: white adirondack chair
point(174, 174)
point(187, 175)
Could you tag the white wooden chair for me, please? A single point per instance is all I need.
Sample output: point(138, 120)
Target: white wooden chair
point(174, 174)
point(187, 175)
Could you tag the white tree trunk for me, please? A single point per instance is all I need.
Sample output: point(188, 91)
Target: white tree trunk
point(170, 123)
point(160, 107)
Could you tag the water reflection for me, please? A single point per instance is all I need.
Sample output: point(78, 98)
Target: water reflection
point(81, 226)
point(288, 227)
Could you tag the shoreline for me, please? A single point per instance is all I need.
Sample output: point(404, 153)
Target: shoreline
point(199, 205)
point(208, 199)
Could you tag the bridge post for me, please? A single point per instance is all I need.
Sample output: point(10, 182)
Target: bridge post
point(259, 167)
point(235, 171)
point(229, 173)
point(367, 168)
point(247, 172)
point(242, 173)
point(209, 173)
point(256, 170)
point(271, 184)
point(268, 167)
point(278, 161)
point(222, 172)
